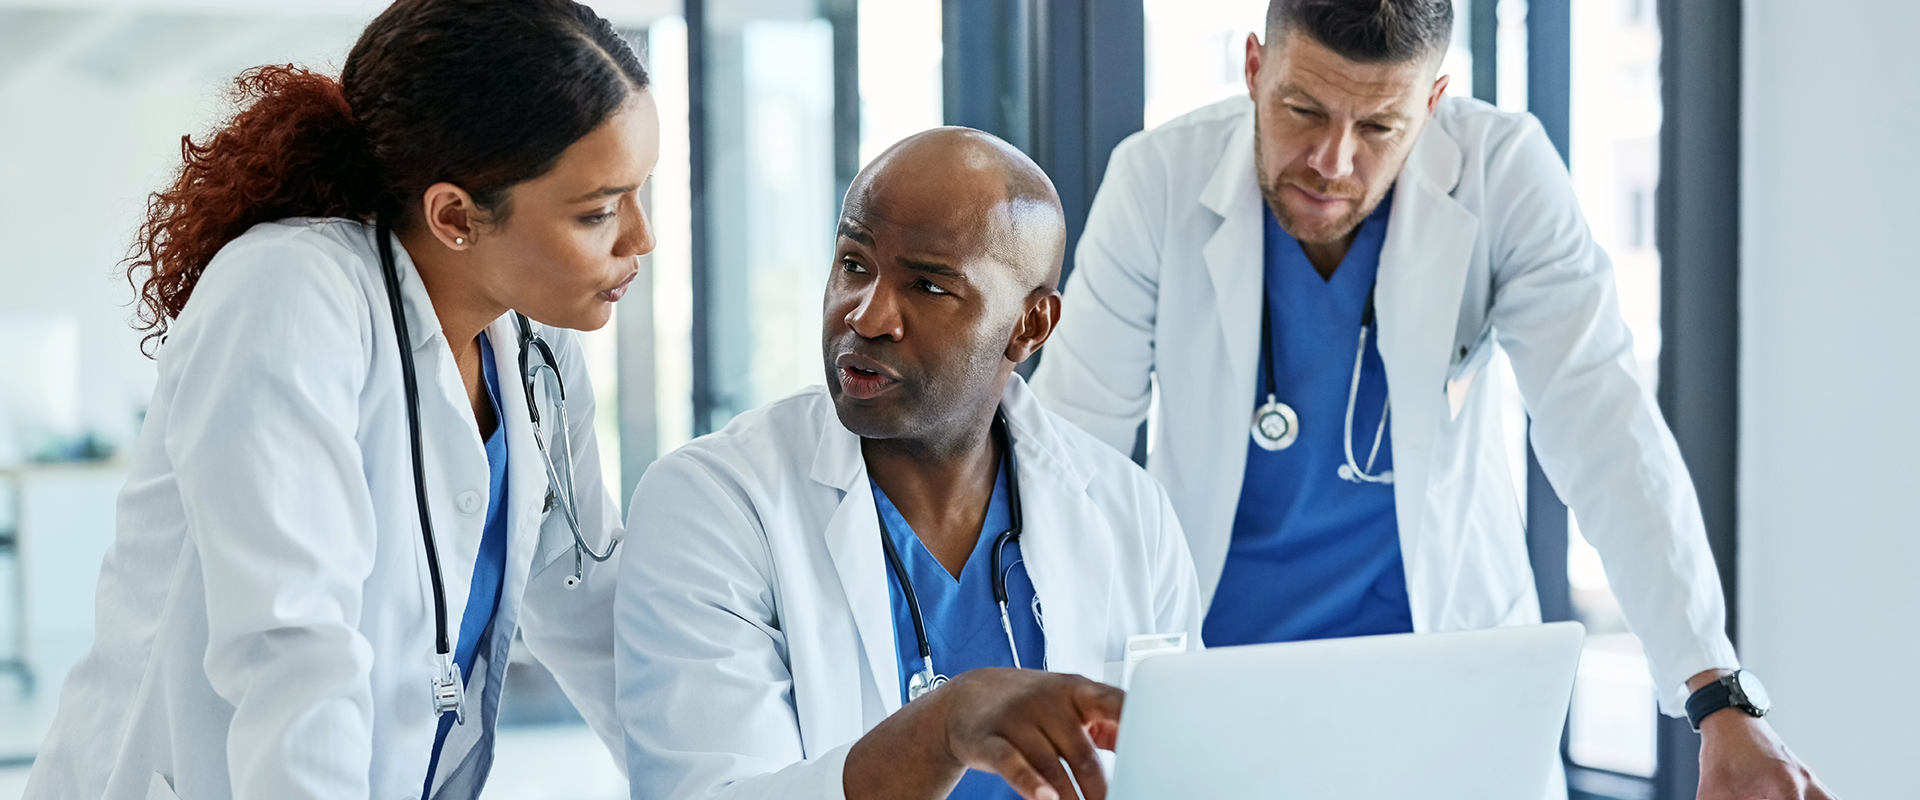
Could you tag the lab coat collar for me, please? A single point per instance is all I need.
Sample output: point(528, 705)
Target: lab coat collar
point(1067, 544)
point(423, 325)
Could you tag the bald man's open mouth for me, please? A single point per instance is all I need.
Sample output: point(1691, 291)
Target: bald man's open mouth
point(863, 378)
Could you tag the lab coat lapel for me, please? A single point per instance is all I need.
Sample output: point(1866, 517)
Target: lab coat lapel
point(853, 540)
point(454, 458)
point(1423, 269)
point(1234, 254)
point(1066, 542)
point(526, 473)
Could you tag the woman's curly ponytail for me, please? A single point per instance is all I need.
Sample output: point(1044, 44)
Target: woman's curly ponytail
point(485, 94)
point(291, 151)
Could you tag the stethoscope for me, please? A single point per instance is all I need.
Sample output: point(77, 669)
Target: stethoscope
point(927, 679)
point(448, 689)
point(1277, 427)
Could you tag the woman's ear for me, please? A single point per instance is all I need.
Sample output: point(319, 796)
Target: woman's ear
point(450, 215)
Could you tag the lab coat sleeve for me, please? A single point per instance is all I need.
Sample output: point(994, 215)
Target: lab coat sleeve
point(1177, 602)
point(570, 631)
point(705, 694)
point(272, 356)
point(1597, 430)
point(1097, 368)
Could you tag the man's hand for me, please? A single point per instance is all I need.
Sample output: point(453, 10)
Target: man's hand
point(1020, 724)
point(1016, 723)
point(1741, 758)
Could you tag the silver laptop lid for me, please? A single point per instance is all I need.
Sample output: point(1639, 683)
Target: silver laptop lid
point(1474, 714)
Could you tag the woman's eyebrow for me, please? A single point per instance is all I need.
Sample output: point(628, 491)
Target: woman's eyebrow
point(604, 191)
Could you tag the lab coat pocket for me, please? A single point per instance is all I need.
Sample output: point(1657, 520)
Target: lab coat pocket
point(1140, 648)
point(159, 789)
point(555, 539)
point(1468, 363)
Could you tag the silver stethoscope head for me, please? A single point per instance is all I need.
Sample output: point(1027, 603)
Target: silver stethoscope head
point(1276, 426)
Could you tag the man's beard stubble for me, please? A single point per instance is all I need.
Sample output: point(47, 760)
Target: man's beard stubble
point(1270, 186)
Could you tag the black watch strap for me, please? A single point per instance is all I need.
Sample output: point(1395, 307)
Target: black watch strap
point(1710, 698)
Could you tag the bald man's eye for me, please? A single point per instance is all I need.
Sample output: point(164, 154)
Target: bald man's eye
point(928, 286)
point(852, 266)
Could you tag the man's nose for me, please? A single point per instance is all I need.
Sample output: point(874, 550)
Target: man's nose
point(877, 314)
point(1332, 155)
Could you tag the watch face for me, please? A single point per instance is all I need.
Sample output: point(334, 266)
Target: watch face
point(1755, 691)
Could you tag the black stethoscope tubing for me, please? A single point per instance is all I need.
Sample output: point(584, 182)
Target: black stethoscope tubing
point(1011, 466)
point(1266, 335)
point(1350, 470)
point(448, 687)
point(383, 233)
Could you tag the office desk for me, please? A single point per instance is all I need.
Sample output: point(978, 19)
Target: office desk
point(56, 522)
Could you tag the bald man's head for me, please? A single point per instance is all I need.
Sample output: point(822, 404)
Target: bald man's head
point(948, 262)
point(984, 184)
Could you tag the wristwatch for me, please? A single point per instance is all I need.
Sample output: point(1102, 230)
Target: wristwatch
point(1742, 690)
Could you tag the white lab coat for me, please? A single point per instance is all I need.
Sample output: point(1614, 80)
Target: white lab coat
point(265, 621)
point(756, 635)
point(1486, 246)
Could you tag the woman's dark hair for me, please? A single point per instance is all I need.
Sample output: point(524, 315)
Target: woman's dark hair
point(484, 94)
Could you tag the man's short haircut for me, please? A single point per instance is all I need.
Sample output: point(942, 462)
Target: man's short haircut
point(1367, 31)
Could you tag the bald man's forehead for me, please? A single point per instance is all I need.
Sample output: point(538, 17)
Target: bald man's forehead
point(921, 215)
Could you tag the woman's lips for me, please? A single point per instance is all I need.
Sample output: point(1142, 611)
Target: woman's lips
point(614, 294)
point(861, 384)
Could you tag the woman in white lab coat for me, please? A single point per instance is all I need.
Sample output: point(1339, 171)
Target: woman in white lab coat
point(267, 617)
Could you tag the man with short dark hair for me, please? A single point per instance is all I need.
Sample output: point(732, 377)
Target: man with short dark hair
point(798, 588)
point(1270, 265)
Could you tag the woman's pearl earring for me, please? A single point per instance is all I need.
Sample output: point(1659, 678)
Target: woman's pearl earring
point(458, 240)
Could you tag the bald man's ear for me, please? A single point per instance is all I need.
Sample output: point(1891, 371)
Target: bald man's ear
point(1035, 325)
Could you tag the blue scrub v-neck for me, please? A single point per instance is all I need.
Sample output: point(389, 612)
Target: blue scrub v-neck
point(1315, 556)
point(489, 569)
point(962, 618)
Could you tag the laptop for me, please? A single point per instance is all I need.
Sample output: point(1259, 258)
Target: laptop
point(1473, 715)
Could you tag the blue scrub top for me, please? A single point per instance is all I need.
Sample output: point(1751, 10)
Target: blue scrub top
point(1315, 556)
point(962, 618)
point(483, 599)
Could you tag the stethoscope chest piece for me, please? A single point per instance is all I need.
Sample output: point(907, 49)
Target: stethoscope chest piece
point(923, 682)
point(1275, 425)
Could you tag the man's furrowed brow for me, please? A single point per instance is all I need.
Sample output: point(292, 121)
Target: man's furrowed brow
point(932, 268)
point(853, 231)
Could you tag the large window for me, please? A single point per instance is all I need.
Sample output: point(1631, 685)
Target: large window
point(1614, 127)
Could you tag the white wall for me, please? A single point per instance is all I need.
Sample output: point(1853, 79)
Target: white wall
point(1830, 382)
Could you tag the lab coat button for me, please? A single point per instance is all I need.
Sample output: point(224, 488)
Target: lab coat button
point(469, 503)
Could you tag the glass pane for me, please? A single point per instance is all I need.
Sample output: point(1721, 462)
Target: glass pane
point(900, 72)
point(1614, 161)
point(770, 198)
point(673, 230)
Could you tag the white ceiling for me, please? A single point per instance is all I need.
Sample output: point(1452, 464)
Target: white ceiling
point(135, 41)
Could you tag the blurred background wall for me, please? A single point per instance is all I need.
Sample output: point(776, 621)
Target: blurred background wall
point(1830, 366)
